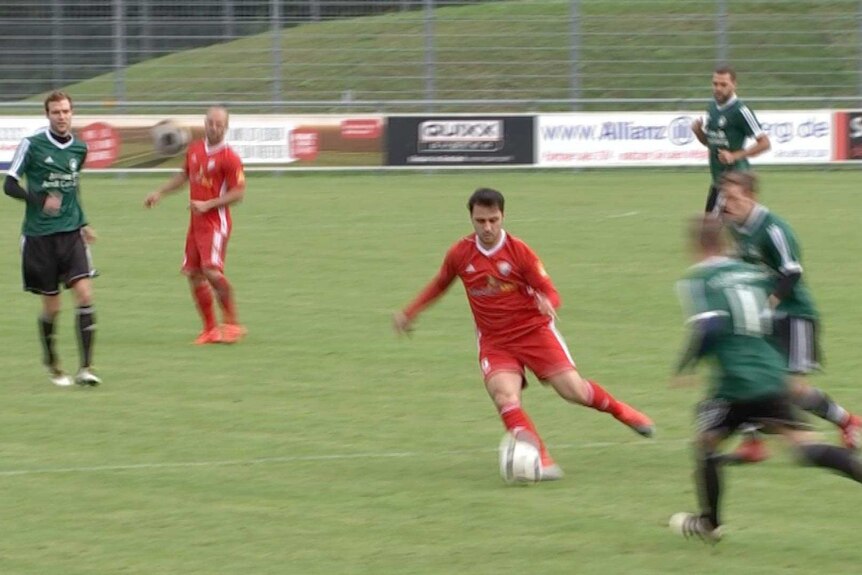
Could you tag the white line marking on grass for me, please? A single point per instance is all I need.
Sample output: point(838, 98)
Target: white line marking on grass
point(673, 443)
point(624, 215)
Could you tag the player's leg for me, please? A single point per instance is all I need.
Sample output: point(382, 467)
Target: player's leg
point(798, 339)
point(546, 354)
point(231, 330)
point(40, 275)
point(212, 253)
point(716, 420)
point(714, 203)
point(77, 271)
point(504, 388)
point(201, 291)
point(809, 446)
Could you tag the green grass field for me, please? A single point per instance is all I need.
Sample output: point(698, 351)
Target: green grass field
point(323, 444)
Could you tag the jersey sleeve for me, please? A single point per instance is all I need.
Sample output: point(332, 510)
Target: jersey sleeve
point(437, 286)
point(21, 160)
point(536, 276)
point(751, 126)
point(696, 305)
point(186, 160)
point(782, 250)
point(234, 173)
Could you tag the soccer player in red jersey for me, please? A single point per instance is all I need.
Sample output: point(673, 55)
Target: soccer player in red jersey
point(514, 306)
point(216, 180)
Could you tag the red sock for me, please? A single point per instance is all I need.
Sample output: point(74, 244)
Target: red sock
point(603, 401)
point(224, 292)
point(203, 297)
point(515, 418)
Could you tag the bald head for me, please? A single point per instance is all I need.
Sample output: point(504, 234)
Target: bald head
point(216, 124)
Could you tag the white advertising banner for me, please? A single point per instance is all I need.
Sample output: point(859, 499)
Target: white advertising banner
point(597, 139)
point(127, 142)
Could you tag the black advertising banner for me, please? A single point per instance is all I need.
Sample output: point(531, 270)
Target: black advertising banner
point(459, 140)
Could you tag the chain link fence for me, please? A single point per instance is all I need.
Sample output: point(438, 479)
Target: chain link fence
point(428, 55)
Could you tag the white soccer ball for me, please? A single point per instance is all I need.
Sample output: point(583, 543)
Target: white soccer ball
point(520, 459)
point(169, 138)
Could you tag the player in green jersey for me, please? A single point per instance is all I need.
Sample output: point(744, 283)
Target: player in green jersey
point(55, 232)
point(764, 239)
point(724, 130)
point(726, 301)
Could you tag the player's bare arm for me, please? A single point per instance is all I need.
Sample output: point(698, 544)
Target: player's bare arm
point(233, 196)
point(171, 186)
point(761, 145)
point(697, 130)
point(89, 234)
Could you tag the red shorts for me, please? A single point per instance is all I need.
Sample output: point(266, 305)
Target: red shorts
point(542, 351)
point(205, 248)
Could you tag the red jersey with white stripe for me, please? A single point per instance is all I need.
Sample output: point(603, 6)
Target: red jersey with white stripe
point(501, 285)
point(212, 171)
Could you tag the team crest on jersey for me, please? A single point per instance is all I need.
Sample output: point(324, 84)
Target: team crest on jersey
point(722, 121)
point(505, 268)
point(73, 164)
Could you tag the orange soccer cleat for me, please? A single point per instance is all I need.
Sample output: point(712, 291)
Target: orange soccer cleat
point(851, 432)
point(213, 335)
point(638, 421)
point(232, 332)
point(752, 449)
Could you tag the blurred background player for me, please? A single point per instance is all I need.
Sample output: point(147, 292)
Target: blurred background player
point(764, 239)
point(726, 301)
point(55, 232)
point(728, 123)
point(514, 306)
point(216, 180)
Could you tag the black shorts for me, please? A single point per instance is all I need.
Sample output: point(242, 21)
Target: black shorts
point(714, 201)
point(724, 417)
point(798, 340)
point(48, 260)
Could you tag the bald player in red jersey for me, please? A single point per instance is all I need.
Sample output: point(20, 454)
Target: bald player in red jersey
point(514, 306)
point(216, 180)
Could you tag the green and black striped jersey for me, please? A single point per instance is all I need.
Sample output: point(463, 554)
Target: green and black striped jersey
point(767, 240)
point(731, 297)
point(52, 167)
point(726, 128)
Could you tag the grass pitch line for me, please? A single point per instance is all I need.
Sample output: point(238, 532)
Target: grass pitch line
point(672, 443)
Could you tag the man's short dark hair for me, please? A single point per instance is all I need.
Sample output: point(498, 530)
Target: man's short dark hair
point(725, 69)
point(488, 198)
point(57, 96)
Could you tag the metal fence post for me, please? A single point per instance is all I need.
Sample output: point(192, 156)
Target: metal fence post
point(228, 15)
point(119, 51)
point(575, 53)
point(145, 32)
point(275, 16)
point(57, 43)
point(314, 10)
point(721, 53)
point(859, 41)
point(430, 59)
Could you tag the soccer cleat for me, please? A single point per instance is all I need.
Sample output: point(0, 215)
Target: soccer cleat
point(552, 472)
point(59, 377)
point(639, 422)
point(752, 449)
point(232, 332)
point(690, 525)
point(209, 336)
point(851, 432)
point(86, 377)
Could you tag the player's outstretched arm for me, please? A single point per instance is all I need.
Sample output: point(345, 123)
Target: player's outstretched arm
point(171, 186)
